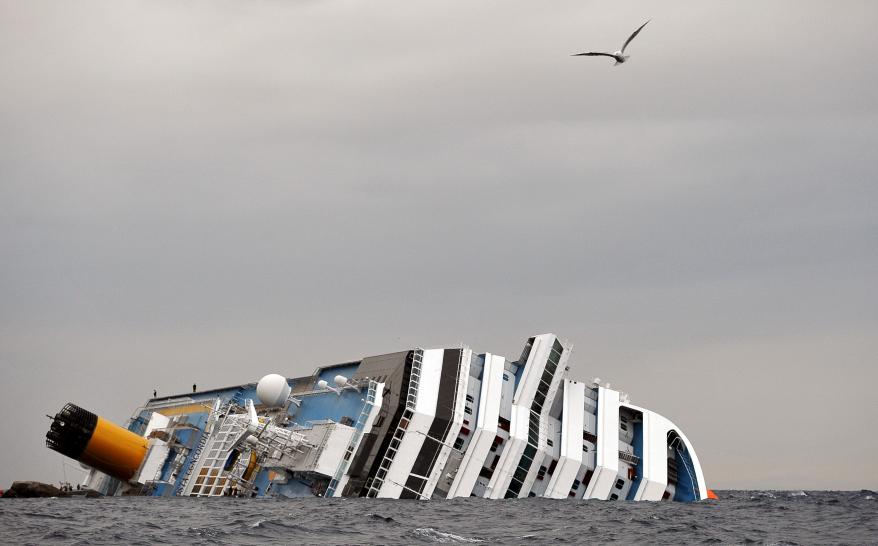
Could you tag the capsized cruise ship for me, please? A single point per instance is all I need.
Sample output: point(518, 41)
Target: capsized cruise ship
point(416, 424)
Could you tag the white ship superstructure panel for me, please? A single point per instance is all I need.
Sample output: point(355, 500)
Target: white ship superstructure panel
point(520, 461)
point(571, 441)
point(607, 462)
point(655, 460)
point(554, 371)
point(486, 428)
point(520, 418)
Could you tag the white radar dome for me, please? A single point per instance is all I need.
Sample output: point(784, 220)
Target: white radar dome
point(273, 390)
point(340, 380)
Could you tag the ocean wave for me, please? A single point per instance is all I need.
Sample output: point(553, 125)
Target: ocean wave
point(765, 517)
point(430, 534)
point(379, 517)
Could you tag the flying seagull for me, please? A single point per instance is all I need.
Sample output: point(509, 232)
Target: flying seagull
point(619, 55)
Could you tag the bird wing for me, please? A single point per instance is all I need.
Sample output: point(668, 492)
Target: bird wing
point(636, 32)
point(594, 53)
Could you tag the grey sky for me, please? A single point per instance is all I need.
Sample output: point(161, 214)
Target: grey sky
point(211, 191)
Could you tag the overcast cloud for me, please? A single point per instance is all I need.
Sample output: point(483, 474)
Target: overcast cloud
point(208, 191)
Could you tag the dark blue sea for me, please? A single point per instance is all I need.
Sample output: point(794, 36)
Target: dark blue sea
point(740, 517)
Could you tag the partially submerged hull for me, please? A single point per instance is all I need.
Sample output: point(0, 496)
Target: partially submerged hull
point(416, 424)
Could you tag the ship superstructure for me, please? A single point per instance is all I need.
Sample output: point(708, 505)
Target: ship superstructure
point(415, 424)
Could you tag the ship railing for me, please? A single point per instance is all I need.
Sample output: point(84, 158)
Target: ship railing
point(411, 403)
point(309, 425)
point(153, 406)
point(355, 439)
point(168, 403)
point(409, 489)
point(629, 458)
point(683, 455)
point(414, 379)
point(177, 464)
point(194, 462)
point(234, 479)
point(218, 413)
point(282, 443)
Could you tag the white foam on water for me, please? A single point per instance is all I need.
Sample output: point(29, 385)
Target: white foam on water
point(763, 494)
point(434, 535)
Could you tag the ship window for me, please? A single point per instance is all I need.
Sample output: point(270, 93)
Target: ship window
point(550, 443)
point(585, 448)
point(576, 484)
point(467, 410)
point(619, 483)
point(614, 497)
point(458, 444)
point(505, 377)
point(469, 398)
point(624, 427)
